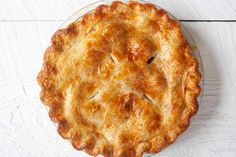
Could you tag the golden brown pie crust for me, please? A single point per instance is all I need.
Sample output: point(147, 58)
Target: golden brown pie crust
point(121, 81)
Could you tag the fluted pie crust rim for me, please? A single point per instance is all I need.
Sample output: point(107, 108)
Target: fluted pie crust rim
point(113, 112)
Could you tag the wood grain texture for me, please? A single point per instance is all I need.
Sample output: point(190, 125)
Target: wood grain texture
point(26, 130)
point(59, 10)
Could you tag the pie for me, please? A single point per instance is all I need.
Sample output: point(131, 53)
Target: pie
point(120, 81)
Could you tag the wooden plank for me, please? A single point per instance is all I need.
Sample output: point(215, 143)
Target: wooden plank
point(60, 10)
point(27, 131)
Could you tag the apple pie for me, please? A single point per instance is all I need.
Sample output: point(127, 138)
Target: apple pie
point(120, 81)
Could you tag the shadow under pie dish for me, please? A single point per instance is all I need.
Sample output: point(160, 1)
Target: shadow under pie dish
point(120, 81)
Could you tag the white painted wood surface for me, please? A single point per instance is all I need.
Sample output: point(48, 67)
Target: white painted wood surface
point(61, 9)
point(25, 30)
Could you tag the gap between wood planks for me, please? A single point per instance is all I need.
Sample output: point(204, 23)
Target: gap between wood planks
point(207, 20)
point(63, 20)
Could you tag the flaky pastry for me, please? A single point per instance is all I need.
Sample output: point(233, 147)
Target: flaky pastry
point(120, 81)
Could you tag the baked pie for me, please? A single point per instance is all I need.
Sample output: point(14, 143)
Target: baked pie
point(120, 81)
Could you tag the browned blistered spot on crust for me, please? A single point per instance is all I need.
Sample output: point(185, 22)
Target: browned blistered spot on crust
point(140, 49)
point(154, 26)
point(116, 5)
point(63, 128)
point(126, 138)
point(57, 41)
point(120, 81)
point(153, 122)
point(128, 105)
point(101, 10)
point(127, 102)
point(55, 112)
point(125, 152)
point(107, 151)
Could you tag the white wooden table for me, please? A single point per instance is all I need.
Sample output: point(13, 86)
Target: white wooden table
point(25, 30)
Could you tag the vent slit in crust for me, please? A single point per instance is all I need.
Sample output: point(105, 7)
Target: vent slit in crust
point(150, 60)
point(112, 59)
point(148, 99)
point(93, 96)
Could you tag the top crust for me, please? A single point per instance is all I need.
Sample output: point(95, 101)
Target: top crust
point(121, 81)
